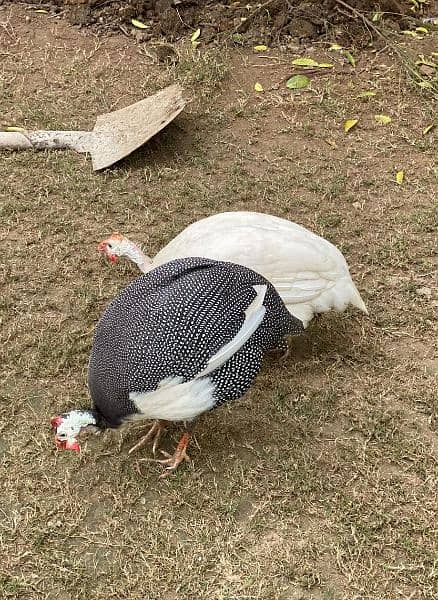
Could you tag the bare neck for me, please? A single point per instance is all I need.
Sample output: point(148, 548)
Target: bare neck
point(136, 254)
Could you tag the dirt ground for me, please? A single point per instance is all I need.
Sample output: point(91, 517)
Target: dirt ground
point(322, 482)
point(237, 21)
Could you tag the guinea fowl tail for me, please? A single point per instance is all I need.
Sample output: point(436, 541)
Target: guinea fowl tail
point(356, 299)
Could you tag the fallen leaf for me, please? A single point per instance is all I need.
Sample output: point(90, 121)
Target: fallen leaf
point(350, 58)
point(305, 62)
point(399, 177)
point(428, 128)
point(383, 119)
point(350, 123)
point(409, 32)
point(367, 94)
point(261, 48)
point(325, 65)
point(335, 47)
point(258, 87)
point(138, 24)
point(42, 11)
point(297, 82)
point(15, 129)
point(195, 35)
point(425, 85)
point(376, 17)
point(331, 143)
point(422, 30)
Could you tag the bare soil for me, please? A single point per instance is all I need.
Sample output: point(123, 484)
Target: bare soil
point(319, 484)
point(273, 21)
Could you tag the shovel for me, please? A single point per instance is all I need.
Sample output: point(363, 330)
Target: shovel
point(115, 135)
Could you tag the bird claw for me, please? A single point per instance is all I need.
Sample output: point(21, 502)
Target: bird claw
point(154, 434)
point(172, 461)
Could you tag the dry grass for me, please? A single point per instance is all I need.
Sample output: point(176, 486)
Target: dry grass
point(321, 483)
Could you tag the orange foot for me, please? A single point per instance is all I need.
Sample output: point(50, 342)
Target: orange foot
point(153, 435)
point(172, 461)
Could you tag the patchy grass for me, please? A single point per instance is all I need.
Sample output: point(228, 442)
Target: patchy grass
point(321, 482)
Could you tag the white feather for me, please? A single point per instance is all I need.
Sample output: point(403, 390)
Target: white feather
point(174, 400)
point(253, 317)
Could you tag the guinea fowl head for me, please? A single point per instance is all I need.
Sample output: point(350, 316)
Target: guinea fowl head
point(114, 246)
point(69, 426)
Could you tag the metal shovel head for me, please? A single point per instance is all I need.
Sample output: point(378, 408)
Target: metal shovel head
point(117, 134)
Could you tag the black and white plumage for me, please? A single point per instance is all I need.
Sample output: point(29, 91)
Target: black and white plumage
point(183, 339)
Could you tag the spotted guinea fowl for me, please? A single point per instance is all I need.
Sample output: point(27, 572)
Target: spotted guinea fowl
point(310, 274)
point(178, 341)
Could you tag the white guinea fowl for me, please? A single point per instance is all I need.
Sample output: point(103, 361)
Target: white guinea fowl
point(310, 274)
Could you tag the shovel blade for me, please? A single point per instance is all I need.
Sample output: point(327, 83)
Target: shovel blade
point(119, 133)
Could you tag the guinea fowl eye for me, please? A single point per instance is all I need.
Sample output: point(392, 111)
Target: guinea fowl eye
point(110, 246)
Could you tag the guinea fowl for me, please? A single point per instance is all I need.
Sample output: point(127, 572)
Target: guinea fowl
point(178, 341)
point(310, 274)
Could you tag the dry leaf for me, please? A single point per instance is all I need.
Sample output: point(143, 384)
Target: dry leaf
point(15, 129)
point(367, 94)
point(383, 119)
point(399, 177)
point(335, 47)
point(422, 30)
point(376, 17)
point(138, 24)
point(428, 128)
point(309, 62)
point(350, 58)
point(261, 48)
point(409, 32)
point(195, 35)
point(42, 11)
point(258, 87)
point(304, 62)
point(297, 82)
point(350, 123)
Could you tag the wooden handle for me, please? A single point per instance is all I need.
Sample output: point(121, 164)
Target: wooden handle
point(14, 140)
point(81, 141)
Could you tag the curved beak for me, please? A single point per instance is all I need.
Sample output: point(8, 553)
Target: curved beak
point(103, 249)
point(55, 422)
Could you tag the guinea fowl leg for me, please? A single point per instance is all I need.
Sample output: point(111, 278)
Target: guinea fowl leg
point(172, 461)
point(153, 434)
